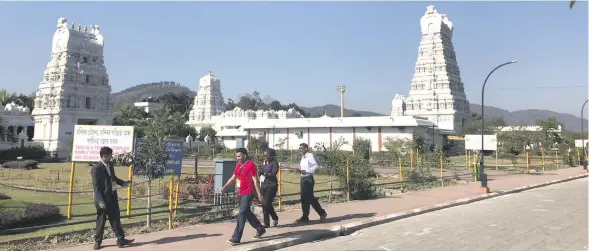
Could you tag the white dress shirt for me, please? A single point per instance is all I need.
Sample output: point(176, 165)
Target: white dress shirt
point(308, 164)
point(109, 174)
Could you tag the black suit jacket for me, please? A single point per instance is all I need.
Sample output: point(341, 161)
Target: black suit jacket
point(103, 189)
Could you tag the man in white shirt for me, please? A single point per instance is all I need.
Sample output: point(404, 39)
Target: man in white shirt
point(308, 167)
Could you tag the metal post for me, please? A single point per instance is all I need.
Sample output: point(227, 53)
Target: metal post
point(341, 89)
point(481, 171)
point(583, 134)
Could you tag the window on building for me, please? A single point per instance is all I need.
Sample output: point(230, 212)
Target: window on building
point(88, 105)
point(87, 79)
point(85, 60)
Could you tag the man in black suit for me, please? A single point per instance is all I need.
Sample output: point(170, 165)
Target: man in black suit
point(106, 198)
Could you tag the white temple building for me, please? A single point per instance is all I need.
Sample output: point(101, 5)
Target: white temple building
point(75, 87)
point(436, 105)
point(14, 129)
point(437, 91)
point(286, 129)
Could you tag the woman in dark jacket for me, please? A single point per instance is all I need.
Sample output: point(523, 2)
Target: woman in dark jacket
point(269, 186)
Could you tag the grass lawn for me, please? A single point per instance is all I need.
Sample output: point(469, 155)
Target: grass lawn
point(55, 176)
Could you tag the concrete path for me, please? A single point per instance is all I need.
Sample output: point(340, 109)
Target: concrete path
point(548, 218)
point(213, 237)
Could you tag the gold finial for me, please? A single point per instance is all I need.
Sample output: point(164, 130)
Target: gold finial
point(79, 27)
point(73, 26)
point(85, 28)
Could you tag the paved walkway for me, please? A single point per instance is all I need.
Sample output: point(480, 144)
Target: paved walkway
point(547, 218)
point(213, 237)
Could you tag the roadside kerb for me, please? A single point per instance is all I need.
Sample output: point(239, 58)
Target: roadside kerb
point(349, 228)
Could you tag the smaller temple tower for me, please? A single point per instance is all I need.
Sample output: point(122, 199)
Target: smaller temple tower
point(75, 87)
point(208, 101)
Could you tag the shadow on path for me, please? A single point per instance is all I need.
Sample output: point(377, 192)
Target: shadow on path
point(331, 219)
point(166, 240)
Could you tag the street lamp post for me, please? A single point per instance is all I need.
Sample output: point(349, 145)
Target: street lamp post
point(583, 134)
point(482, 176)
point(341, 89)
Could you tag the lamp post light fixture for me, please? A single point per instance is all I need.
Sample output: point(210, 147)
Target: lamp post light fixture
point(482, 176)
point(341, 89)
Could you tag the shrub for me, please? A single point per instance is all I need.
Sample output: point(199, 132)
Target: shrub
point(256, 145)
point(362, 147)
point(4, 197)
point(30, 152)
point(201, 188)
point(21, 164)
point(21, 215)
point(335, 162)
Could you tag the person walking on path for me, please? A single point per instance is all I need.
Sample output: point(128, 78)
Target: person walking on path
point(269, 186)
point(246, 178)
point(106, 199)
point(308, 167)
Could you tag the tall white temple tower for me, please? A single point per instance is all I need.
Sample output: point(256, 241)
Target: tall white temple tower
point(437, 91)
point(75, 87)
point(208, 101)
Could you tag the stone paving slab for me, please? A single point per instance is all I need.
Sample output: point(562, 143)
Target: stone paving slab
point(546, 218)
point(341, 217)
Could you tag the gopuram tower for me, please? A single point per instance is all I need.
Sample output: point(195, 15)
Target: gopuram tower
point(75, 87)
point(437, 91)
point(208, 102)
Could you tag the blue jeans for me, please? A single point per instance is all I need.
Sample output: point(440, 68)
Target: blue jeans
point(245, 213)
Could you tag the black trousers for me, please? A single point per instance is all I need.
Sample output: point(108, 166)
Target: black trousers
point(308, 198)
point(269, 192)
point(245, 213)
point(113, 213)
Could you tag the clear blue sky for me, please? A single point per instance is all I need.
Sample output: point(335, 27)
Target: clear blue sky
point(299, 51)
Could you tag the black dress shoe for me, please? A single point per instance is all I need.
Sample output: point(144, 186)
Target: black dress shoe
point(96, 246)
point(124, 242)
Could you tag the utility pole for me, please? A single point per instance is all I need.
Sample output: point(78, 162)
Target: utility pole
point(341, 89)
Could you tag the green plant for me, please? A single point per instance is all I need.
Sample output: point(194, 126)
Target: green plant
point(362, 147)
point(151, 157)
point(24, 214)
point(336, 162)
point(256, 145)
point(21, 164)
point(30, 152)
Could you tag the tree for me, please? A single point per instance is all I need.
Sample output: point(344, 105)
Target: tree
point(255, 102)
point(207, 131)
point(151, 158)
point(175, 123)
point(549, 135)
point(399, 148)
point(230, 105)
point(517, 140)
point(572, 3)
point(181, 103)
point(275, 105)
point(128, 115)
point(4, 96)
point(492, 125)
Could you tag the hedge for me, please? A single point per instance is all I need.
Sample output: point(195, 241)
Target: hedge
point(30, 152)
point(4, 197)
point(16, 214)
point(21, 164)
